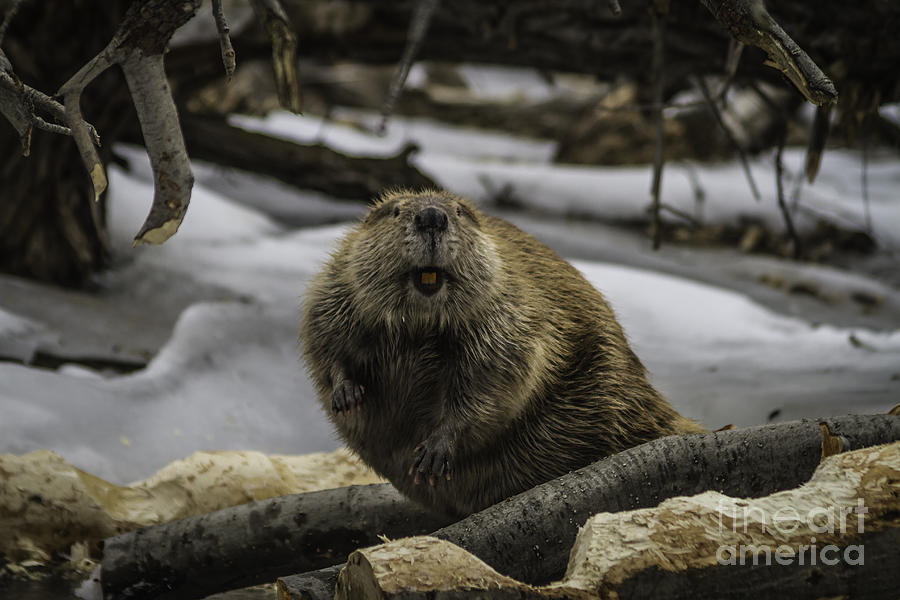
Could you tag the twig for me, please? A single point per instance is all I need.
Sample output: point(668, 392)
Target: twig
point(732, 61)
point(680, 214)
point(776, 108)
point(865, 176)
point(785, 213)
point(817, 139)
point(659, 28)
point(284, 52)
point(7, 19)
point(699, 193)
point(418, 26)
point(228, 56)
point(728, 134)
point(71, 94)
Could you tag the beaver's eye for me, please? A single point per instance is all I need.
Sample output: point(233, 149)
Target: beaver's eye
point(396, 211)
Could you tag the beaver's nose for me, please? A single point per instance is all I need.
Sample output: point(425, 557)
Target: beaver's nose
point(431, 219)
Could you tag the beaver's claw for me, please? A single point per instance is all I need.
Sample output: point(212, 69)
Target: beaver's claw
point(433, 460)
point(347, 396)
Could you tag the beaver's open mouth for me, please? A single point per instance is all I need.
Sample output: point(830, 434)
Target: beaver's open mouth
point(428, 280)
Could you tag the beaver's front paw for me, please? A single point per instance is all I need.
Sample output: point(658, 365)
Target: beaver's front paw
point(434, 458)
point(347, 396)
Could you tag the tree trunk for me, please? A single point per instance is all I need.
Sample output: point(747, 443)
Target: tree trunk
point(50, 227)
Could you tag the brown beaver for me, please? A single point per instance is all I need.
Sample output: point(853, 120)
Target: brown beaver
point(465, 361)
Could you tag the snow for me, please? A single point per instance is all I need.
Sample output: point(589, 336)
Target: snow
point(479, 164)
point(430, 136)
point(208, 321)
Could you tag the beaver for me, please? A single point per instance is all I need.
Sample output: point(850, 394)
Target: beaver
point(466, 362)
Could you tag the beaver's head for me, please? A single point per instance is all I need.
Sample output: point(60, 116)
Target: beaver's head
point(422, 256)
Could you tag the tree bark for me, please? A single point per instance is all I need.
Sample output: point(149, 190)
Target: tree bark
point(528, 537)
point(50, 227)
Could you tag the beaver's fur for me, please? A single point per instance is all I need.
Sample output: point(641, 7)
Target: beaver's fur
point(451, 348)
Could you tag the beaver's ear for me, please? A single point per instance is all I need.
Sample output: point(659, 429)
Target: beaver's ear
point(464, 209)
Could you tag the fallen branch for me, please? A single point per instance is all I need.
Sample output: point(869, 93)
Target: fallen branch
point(306, 166)
point(834, 536)
point(528, 537)
point(256, 542)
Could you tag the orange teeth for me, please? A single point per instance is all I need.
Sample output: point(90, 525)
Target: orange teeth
point(429, 277)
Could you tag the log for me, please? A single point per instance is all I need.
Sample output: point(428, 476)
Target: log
point(306, 166)
point(834, 536)
point(256, 542)
point(528, 537)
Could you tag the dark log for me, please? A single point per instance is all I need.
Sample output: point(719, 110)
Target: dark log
point(307, 166)
point(528, 537)
point(256, 542)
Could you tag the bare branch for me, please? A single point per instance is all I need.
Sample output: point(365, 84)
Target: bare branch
point(81, 132)
point(51, 127)
point(172, 177)
point(779, 184)
point(865, 177)
point(7, 19)
point(750, 22)
point(418, 26)
point(284, 52)
point(228, 56)
point(14, 108)
point(817, 138)
point(728, 133)
point(138, 45)
point(659, 29)
point(680, 214)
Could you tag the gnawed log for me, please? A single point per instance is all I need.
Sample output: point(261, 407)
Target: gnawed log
point(256, 542)
point(306, 166)
point(528, 537)
point(834, 536)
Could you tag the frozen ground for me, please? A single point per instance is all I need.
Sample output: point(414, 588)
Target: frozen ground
point(192, 345)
